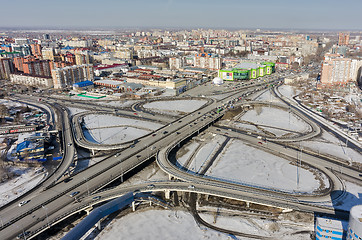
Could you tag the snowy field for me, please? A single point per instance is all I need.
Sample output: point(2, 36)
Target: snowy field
point(244, 164)
point(114, 135)
point(205, 153)
point(267, 228)
point(108, 129)
point(27, 179)
point(151, 173)
point(156, 225)
point(10, 103)
point(284, 120)
point(102, 121)
point(189, 149)
point(328, 144)
point(175, 105)
point(351, 198)
point(267, 96)
point(288, 91)
point(246, 126)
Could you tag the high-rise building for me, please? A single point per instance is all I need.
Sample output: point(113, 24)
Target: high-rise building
point(35, 49)
point(207, 60)
point(339, 70)
point(343, 39)
point(67, 76)
point(35, 81)
point(37, 68)
point(48, 54)
point(326, 228)
point(82, 58)
point(176, 62)
point(354, 231)
point(6, 68)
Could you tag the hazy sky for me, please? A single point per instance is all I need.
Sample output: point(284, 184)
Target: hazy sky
point(291, 14)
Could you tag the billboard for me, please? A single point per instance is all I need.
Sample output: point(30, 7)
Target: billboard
point(228, 76)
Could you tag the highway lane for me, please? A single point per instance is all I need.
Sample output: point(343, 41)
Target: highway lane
point(56, 197)
point(320, 120)
point(81, 141)
point(164, 119)
point(86, 203)
point(67, 160)
point(313, 133)
point(100, 174)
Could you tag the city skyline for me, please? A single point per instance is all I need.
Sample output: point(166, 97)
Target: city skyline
point(279, 14)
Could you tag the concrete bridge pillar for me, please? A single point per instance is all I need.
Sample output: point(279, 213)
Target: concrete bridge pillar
point(98, 225)
point(169, 177)
point(133, 206)
point(247, 204)
point(167, 194)
point(92, 152)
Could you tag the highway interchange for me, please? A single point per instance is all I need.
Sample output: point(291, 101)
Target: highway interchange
point(51, 201)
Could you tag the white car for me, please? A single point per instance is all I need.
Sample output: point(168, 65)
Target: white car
point(22, 203)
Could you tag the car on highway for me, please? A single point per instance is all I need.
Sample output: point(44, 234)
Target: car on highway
point(117, 154)
point(260, 142)
point(96, 198)
point(73, 193)
point(154, 134)
point(68, 179)
point(138, 156)
point(191, 187)
point(165, 132)
point(151, 186)
point(69, 144)
point(22, 203)
point(23, 235)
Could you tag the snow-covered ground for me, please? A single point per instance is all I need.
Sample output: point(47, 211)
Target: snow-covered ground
point(151, 173)
point(205, 153)
point(267, 96)
point(156, 225)
point(260, 227)
point(246, 126)
point(352, 197)
point(328, 144)
point(108, 129)
point(114, 135)
point(10, 103)
point(241, 163)
point(275, 117)
point(189, 149)
point(176, 105)
point(288, 91)
point(102, 121)
point(27, 178)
